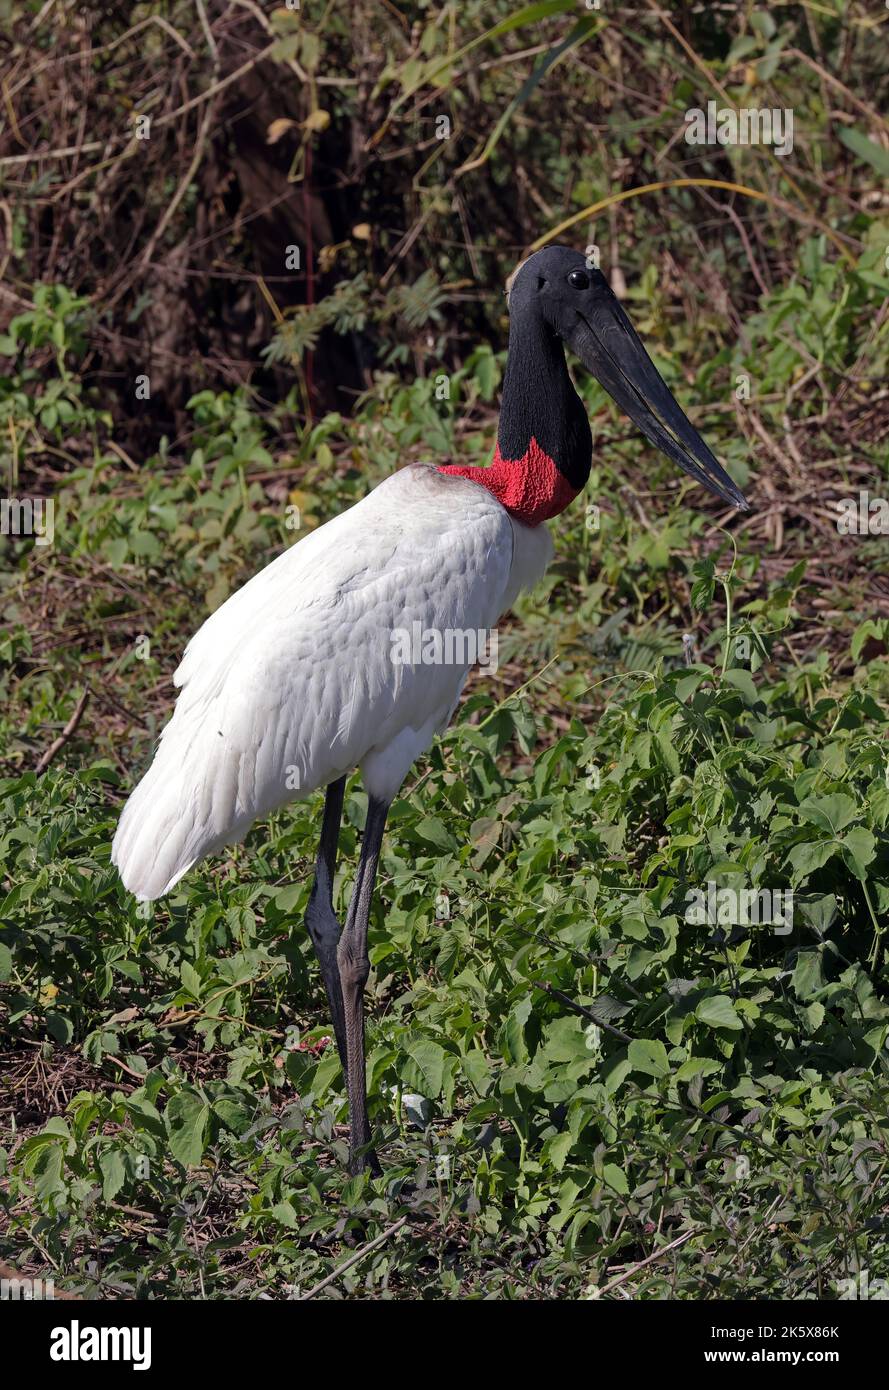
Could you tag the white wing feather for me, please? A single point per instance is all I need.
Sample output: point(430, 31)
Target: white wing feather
point(291, 683)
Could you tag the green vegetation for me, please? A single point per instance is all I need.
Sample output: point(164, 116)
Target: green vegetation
point(679, 705)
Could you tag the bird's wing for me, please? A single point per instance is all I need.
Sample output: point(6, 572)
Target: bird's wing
point(292, 681)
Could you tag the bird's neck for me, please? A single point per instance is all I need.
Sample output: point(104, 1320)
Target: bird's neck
point(544, 447)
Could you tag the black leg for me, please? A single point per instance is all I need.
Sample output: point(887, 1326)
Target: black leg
point(354, 970)
point(321, 921)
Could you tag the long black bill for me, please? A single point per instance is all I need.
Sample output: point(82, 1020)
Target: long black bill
point(610, 348)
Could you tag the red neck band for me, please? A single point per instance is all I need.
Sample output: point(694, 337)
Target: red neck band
point(530, 488)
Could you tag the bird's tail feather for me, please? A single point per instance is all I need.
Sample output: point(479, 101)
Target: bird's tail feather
point(176, 815)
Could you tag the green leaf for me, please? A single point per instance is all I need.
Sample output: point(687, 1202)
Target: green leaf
point(186, 1118)
point(59, 1026)
point(566, 1040)
point(486, 373)
point(814, 1014)
point(616, 1178)
point(477, 1070)
point(864, 148)
point(113, 1170)
point(48, 1181)
point(190, 979)
point(436, 833)
point(649, 1056)
point(556, 1149)
point(426, 1075)
point(284, 1214)
point(743, 682)
point(763, 23)
point(285, 50)
point(818, 913)
point(767, 65)
point(513, 1035)
point(664, 740)
point(703, 588)
point(809, 856)
point(327, 1069)
point(859, 848)
point(233, 1114)
point(808, 976)
point(718, 1011)
point(697, 1066)
point(614, 1072)
point(830, 813)
point(794, 1116)
point(484, 834)
point(869, 628)
point(287, 899)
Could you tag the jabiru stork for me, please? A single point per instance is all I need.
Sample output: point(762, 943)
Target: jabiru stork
point(290, 685)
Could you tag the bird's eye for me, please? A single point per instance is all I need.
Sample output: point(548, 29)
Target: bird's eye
point(578, 280)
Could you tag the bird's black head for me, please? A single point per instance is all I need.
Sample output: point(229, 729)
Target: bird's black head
point(557, 289)
point(552, 285)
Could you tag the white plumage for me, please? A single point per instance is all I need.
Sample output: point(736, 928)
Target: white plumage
point(291, 683)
